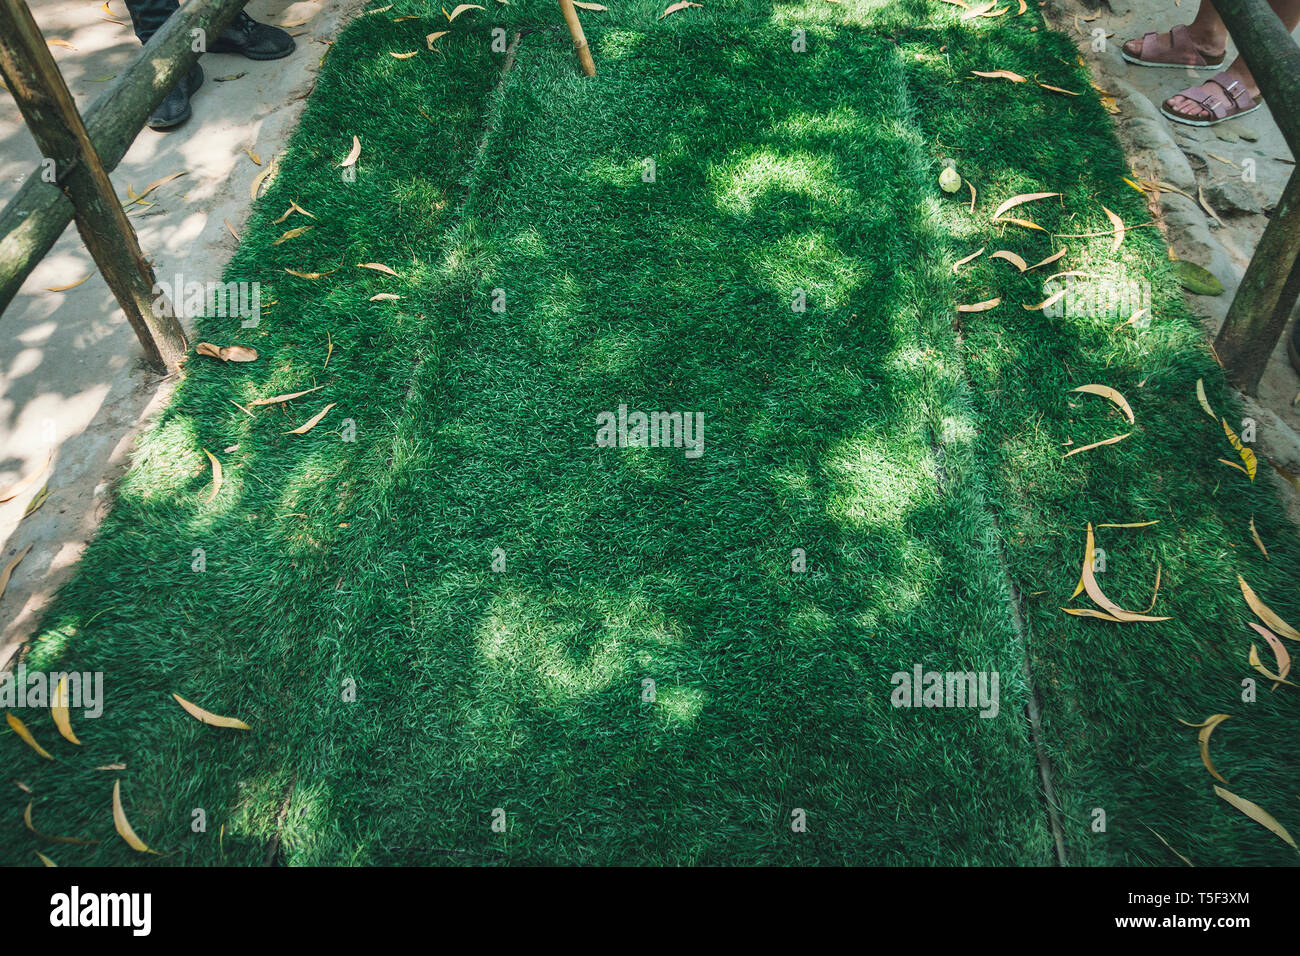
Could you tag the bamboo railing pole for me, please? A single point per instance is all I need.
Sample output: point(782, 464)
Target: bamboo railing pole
point(579, 38)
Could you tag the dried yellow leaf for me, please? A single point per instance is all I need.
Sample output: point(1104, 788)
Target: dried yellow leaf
point(207, 717)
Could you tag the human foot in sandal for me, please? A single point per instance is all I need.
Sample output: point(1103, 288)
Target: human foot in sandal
point(1177, 48)
point(1222, 97)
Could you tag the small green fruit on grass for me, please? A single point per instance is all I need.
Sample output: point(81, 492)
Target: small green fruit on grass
point(949, 181)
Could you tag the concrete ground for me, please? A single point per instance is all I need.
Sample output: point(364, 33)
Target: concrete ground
point(71, 381)
point(1239, 166)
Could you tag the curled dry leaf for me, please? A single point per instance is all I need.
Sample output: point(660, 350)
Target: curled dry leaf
point(70, 285)
point(999, 74)
point(1233, 464)
point(122, 825)
point(679, 5)
point(1109, 393)
point(377, 267)
point(25, 735)
point(27, 822)
point(1023, 223)
point(1247, 456)
point(1259, 542)
point(1120, 231)
point(1205, 404)
point(27, 480)
point(1056, 89)
point(1094, 590)
point(980, 306)
point(1098, 444)
point(207, 717)
point(59, 712)
point(292, 234)
point(1258, 665)
point(403, 56)
point(216, 475)
point(462, 8)
point(1279, 650)
point(1258, 814)
point(1170, 847)
point(276, 399)
point(310, 275)
point(432, 38)
point(1023, 198)
point(8, 571)
point(961, 262)
point(594, 7)
point(1265, 613)
point(261, 178)
point(1130, 524)
point(312, 422)
point(227, 353)
point(353, 154)
point(1012, 258)
point(384, 297)
point(1203, 738)
point(1022, 7)
point(45, 859)
point(971, 186)
point(1049, 301)
point(1089, 612)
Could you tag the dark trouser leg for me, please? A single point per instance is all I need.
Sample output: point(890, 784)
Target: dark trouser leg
point(148, 15)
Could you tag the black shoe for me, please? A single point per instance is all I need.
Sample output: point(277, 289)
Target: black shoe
point(257, 41)
point(176, 108)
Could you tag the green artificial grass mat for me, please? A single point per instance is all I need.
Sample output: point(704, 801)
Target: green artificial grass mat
point(441, 608)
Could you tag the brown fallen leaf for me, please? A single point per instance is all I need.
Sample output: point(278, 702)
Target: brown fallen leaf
point(59, 42)
point(1090, 612)
point(1048, 261)
point(961, 262)
point(276, 399)
point(971, 186)
point(1265, 613)
point(1094, 589)
point(1051, 300)
point(27, 480)
point(261, 178)
point(292, 234)
point(1205, 204)
point(679, 5)
point(1130, 524)
point(227, 353)
point(999, 74)
point(257, 160)
point(151, 187)
point(216, 475)
point(384, 297)
point(27, 822)
point(1024, 223)
point(8, 571)
point(403, 56)
point(1233, 464)
point(231, 230)
point(1110, 394)
point(1055, 89)
point(596, 7)
point(1098, 444)
point(980, 306)
point(1203, 738)
point(1010, 257)
point(310, 275)
point(1200, 397)
point(41, 856)
point(207, 717)
point(37, 500)
point(1259, 542)
point(353, 154)
point(1020, 200)
point(59, 712)
point(1247, 456)
point(1257, 664)
point(433, 38)
point(462, 8)
point(25, 735)
point(1120, 231)
point(312, 422)
point(122, 825)
point(112, 766)
point(377, 267)
point(1258, 814)
point(70, 285)
point(1279, 650)
point(1170, 847)
point(1023, 7)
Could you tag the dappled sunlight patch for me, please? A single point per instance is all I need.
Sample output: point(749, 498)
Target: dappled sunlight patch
point(811, 262)
point(876, 481)
point(680, 705)
point(168, 459)
point(741, 185)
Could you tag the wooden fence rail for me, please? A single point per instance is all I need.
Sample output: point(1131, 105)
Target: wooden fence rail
point(35, 218)
point(1270, 289)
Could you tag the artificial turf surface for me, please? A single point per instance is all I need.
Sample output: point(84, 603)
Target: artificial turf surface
point(419, 696)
